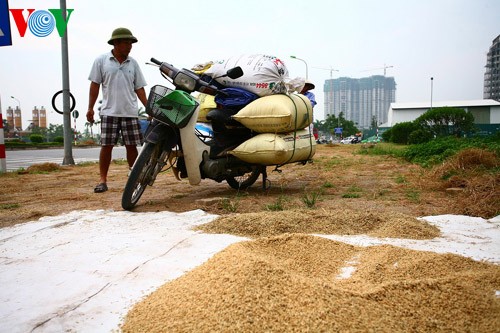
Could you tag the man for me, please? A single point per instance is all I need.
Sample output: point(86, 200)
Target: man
point(305, 91)
point(122, 83)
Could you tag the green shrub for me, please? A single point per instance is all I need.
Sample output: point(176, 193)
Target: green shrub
point(439, 149)
point(446, 121)
point(420, 136)
point(59, 139)
point(400, 132)
point(36, 138)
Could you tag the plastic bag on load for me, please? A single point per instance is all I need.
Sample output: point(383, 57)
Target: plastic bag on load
point(207, 104)
point(295, 85)
point(262, 74)
point(201, 68)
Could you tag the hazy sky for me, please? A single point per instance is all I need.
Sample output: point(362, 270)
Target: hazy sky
point(444, 39)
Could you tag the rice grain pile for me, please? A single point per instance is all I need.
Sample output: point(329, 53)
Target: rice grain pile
point(333, 221)
point(303, 283)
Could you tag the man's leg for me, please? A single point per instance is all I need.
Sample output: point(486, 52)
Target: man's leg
point(131, 154)
point(132, 136)
point(109, 129)
point(104, 162)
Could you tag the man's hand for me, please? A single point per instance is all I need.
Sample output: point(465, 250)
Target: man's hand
point(90, 116)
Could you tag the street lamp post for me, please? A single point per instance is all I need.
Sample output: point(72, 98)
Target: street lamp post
point(432, 80)
point(19, 106)
point(294, 57)
point(19, 103)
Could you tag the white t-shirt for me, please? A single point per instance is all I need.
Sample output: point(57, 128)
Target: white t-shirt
point(119, 83)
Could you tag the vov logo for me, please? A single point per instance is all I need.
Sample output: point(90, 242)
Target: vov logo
point(40, 23)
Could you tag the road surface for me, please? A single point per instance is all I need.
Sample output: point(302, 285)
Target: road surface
point(17, 159)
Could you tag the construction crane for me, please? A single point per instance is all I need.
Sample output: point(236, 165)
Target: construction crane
point(328, 69)
point(384, 68)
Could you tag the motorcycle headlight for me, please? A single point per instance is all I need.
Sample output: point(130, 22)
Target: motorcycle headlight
point(185, 81)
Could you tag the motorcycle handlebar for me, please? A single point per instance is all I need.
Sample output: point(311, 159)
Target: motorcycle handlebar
point(155, 61)
point(171, 72)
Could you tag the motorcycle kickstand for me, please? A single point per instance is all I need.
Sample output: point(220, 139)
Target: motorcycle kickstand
point(264, 179)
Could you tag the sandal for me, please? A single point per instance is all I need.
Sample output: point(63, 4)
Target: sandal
point(102, 187)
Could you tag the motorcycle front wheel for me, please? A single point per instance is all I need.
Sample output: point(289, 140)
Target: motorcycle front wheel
point(141, 175)
point(244, 181)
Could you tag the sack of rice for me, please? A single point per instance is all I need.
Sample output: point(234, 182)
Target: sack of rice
point(276, 149)
point(276, 114)
point(207, 104)
point(262, 74)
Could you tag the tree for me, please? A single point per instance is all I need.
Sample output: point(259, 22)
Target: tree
point(446, 121)
point(374, 123)
point(6, 127)
point(332, 122)
point(54, 131)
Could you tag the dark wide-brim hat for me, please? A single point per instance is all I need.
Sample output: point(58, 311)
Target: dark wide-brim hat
point(122, 33)
point(310, 84)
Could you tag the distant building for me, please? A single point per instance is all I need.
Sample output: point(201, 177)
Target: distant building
point(14, 118)
point(486, 112)
point(362, 101)
point(492, 74)
point(39, 117)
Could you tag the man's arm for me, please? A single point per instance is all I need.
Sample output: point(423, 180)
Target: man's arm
point(93, 94)
point(141, 94)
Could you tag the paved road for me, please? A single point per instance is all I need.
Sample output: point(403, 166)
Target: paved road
point(17, 159)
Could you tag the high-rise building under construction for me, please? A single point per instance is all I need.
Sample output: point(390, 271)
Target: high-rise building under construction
point(492, 74)
point(362, 101)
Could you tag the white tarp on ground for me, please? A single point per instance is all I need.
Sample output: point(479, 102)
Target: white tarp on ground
point(83, 271)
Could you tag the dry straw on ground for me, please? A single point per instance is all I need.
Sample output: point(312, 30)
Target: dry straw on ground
point(297, 283)
point(474, 173)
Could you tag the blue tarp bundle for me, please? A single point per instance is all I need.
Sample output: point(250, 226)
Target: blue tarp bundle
point(235, 98)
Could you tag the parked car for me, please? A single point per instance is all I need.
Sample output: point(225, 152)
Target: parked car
point(350, 140)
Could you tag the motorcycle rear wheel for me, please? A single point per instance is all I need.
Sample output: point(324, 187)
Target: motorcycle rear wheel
point(245, 181)
point(141, 175)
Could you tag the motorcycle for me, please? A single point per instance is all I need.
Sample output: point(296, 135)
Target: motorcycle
point(173, 141)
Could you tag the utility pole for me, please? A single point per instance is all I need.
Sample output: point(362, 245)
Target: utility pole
point(68, 135)
point(3, 161)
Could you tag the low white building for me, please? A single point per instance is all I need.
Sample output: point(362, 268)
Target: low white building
point(485, 111)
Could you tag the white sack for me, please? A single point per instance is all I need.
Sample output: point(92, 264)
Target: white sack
point(262, 74)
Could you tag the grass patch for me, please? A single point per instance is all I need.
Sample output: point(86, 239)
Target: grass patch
point(310, 199)
point(413, 195)
point(9, 206)
point(87, 163)
point(351, 195)
point(353, 192)
point(279, 205)
point(401, 180)
point(120, 161)
point(229, 205)
point(327, 184)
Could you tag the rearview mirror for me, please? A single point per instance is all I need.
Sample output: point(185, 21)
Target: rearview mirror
point(235, 73)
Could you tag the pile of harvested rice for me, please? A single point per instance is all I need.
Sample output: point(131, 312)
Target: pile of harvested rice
point(303, 283)
point(341, 222)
